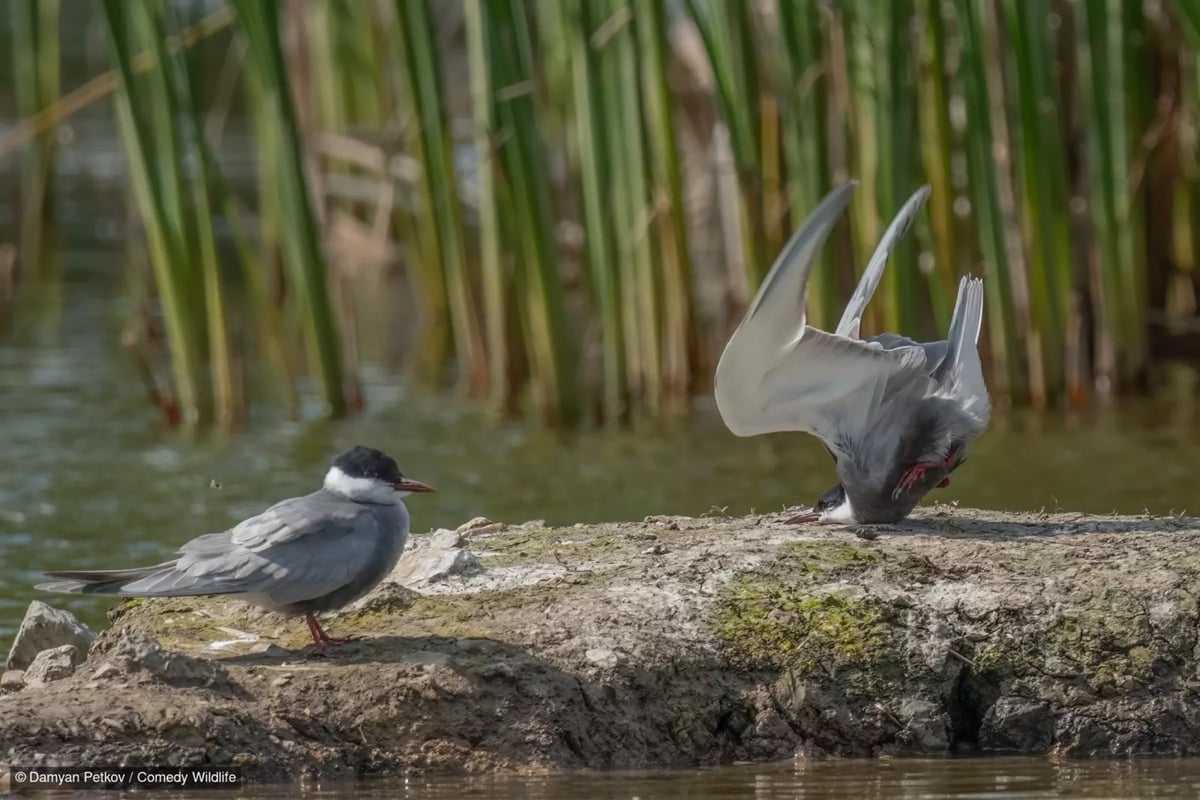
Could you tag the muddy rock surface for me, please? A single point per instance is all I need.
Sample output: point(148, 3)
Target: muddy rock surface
point(665, 643)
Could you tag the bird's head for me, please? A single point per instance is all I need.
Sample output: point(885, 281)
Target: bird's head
point(834, 506)
point(366, 475)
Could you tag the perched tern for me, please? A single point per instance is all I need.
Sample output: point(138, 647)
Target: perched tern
point(301, 556)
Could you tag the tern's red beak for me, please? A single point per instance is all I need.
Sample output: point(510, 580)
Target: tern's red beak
point(809, 516)
point(411, 485)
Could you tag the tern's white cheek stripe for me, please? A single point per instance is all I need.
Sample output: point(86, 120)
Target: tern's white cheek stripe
point(842, 513)
point(365, 489)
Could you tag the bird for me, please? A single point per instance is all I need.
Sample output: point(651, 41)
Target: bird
point(895, 414)
point(302, 556)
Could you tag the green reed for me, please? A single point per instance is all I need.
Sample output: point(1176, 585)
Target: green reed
point(281, 141)
point(567, 276)
point(35, 60)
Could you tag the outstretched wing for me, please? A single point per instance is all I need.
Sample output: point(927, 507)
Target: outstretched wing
point(779, 374)
point(852, 316)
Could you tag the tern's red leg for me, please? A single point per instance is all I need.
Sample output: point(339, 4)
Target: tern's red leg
point(945, 482)
point(917, 471)
point(320, 637)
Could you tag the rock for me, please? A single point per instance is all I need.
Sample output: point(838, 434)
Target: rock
point(12, 680)
point(482, 525)
point(445, 539)
point(438, 559)
point(268, 649)
point(603, 657)
point(52, 665)
point(45, 628)
point(389, 597)
point(137, 655)
point(1015, 725)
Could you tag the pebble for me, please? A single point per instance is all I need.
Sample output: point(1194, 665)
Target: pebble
point(496, 670)
point(602, 657)
point(482, 525)
point(12, 680)
point(270, 650)
point(52, 665)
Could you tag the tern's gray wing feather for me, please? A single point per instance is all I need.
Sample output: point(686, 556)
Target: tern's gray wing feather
point(852, 316)
point(934, 351)
point(826, 385)
point(775, 317)
point(295, 551)
point(779, 374)
point(778, 307)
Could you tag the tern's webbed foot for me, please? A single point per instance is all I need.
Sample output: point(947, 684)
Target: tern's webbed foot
point(340, 639)
point(330, 647)
point(324, 653)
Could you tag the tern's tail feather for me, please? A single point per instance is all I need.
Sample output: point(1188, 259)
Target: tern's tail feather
point(160, 580)
point(964, 329)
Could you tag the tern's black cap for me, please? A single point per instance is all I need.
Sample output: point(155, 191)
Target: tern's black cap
point(367, 462)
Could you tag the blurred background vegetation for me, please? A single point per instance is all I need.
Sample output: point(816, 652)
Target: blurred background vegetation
point(562, 208)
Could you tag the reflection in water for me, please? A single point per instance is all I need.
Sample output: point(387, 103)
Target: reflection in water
point(834, 779)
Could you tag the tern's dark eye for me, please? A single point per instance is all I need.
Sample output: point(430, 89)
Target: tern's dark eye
point(832, 498)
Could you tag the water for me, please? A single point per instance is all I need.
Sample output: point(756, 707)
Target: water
point(844, 779)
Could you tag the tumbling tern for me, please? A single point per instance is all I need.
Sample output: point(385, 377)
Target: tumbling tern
point(895, 414)
point(301, 556)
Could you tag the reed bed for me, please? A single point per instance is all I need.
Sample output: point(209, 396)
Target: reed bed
point(35, 57)
point(587, 193)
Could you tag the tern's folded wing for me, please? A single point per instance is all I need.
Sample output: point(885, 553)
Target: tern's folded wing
point(293, 551)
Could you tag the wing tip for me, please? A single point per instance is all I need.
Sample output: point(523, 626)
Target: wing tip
point(61, 586)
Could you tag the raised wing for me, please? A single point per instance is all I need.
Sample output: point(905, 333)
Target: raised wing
point(779, 374)
point(778, 307)
point(852, 316)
